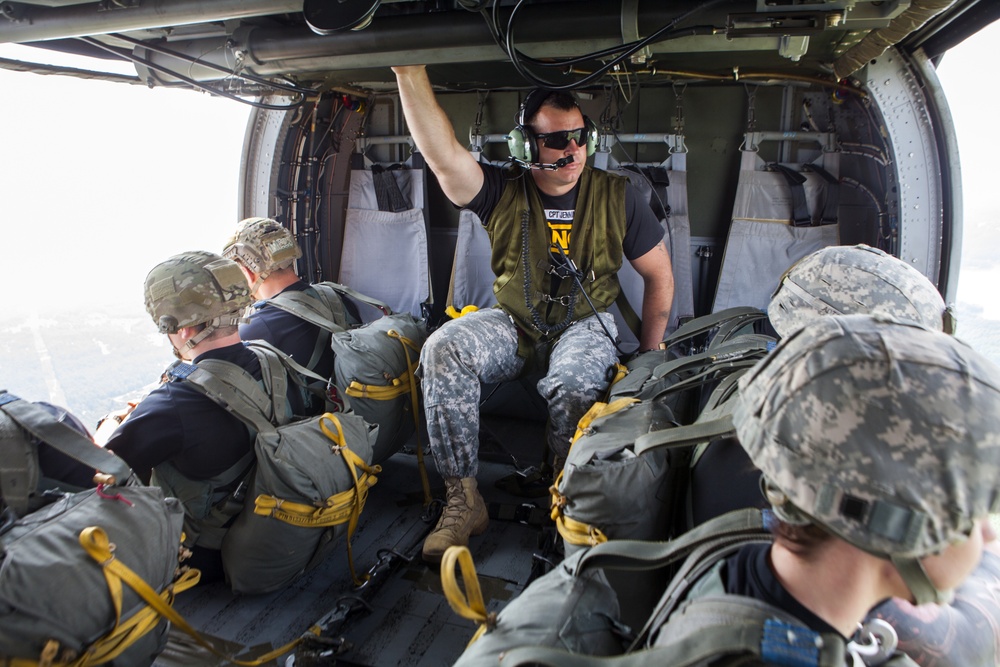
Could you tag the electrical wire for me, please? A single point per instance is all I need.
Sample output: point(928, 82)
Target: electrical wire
point(122, 53)
point(155, 48)
point(506, 42)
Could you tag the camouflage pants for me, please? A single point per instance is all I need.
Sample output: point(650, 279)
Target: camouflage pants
point(482, 347)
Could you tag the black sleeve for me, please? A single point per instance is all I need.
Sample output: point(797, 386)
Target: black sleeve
point(494, 179)
point(642, 229)
point(151, 435)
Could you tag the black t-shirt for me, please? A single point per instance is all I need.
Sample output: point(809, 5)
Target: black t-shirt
point(177, 423)
point(748, 573)
point(642, 229)
point(289, 333)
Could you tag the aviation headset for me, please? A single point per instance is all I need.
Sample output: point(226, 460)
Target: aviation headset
point(521, 140)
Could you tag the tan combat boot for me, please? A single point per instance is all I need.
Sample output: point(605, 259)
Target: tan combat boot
point(464, 515)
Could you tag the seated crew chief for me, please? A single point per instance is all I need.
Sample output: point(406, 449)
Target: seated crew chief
point(558, 231)
point(266, 252)
point(176, 437)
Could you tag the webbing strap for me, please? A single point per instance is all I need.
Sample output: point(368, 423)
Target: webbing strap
point(735, 634)
point(411, 377)
point(96, 543)
point(731, 356)
point(387, 193)
point(796, 181)
point(268, 354)
point(309, 309)
point(639, 555)
point(831, 207)
point(699, 325)
point(396, 388)
point(19, 469)
point(686, 435)
point(244, 403)
point(629, 315)
point(359, 297)
point(37, 421)
point(337, 509)
point(470, 604)
point(576, 532)
point(597, 411)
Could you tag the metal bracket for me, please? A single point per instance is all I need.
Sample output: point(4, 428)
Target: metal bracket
point(630, 30)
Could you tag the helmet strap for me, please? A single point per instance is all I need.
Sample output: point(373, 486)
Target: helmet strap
point(198, 337)
point(256, 283)
point(915, 577)
point(228, 320)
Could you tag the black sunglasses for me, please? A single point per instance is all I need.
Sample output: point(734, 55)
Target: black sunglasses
point(560, 140)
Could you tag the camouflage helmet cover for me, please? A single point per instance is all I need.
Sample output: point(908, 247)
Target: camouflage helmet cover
point(262, 245)
point(846, 280)
point(885, 433)
point(194, 288)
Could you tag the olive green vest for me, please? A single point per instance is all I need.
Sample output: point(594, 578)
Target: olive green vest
point(595, 247)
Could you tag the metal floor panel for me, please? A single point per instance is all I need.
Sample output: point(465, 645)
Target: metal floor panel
point(405, 618)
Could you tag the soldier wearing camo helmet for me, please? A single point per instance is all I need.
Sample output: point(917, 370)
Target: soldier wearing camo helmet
point(845, 280)
point(265, 252)
point(262, 246)
point(193, 289)
point(176, 437)
point(886, 435)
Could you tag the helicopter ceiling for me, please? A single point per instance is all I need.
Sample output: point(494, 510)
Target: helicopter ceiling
point(290, 47)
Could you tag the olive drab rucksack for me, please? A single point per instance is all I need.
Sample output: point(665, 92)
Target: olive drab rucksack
point(374, 363)
point(75, 569)
point(695, 623)
point(311, 478)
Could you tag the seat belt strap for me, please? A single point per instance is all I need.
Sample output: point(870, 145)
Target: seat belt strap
point(800, 208)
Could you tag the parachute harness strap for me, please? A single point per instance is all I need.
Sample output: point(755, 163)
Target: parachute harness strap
point(470, 604)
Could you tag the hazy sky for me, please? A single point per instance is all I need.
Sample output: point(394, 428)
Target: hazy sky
point(101, 181)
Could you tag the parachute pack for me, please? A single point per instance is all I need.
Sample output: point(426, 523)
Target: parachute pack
point(374, 363)
point(694, 624)
point(310, 481)
point(76, 566)
point(626, 475)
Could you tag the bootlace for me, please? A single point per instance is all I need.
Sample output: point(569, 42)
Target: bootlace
point(451, 515)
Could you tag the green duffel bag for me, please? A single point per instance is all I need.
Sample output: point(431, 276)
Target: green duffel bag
point(375, 367)
point(71, 569)
point(566, 609)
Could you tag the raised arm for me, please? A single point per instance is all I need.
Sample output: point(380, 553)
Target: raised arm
point(457, 171)
point(658, 294)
